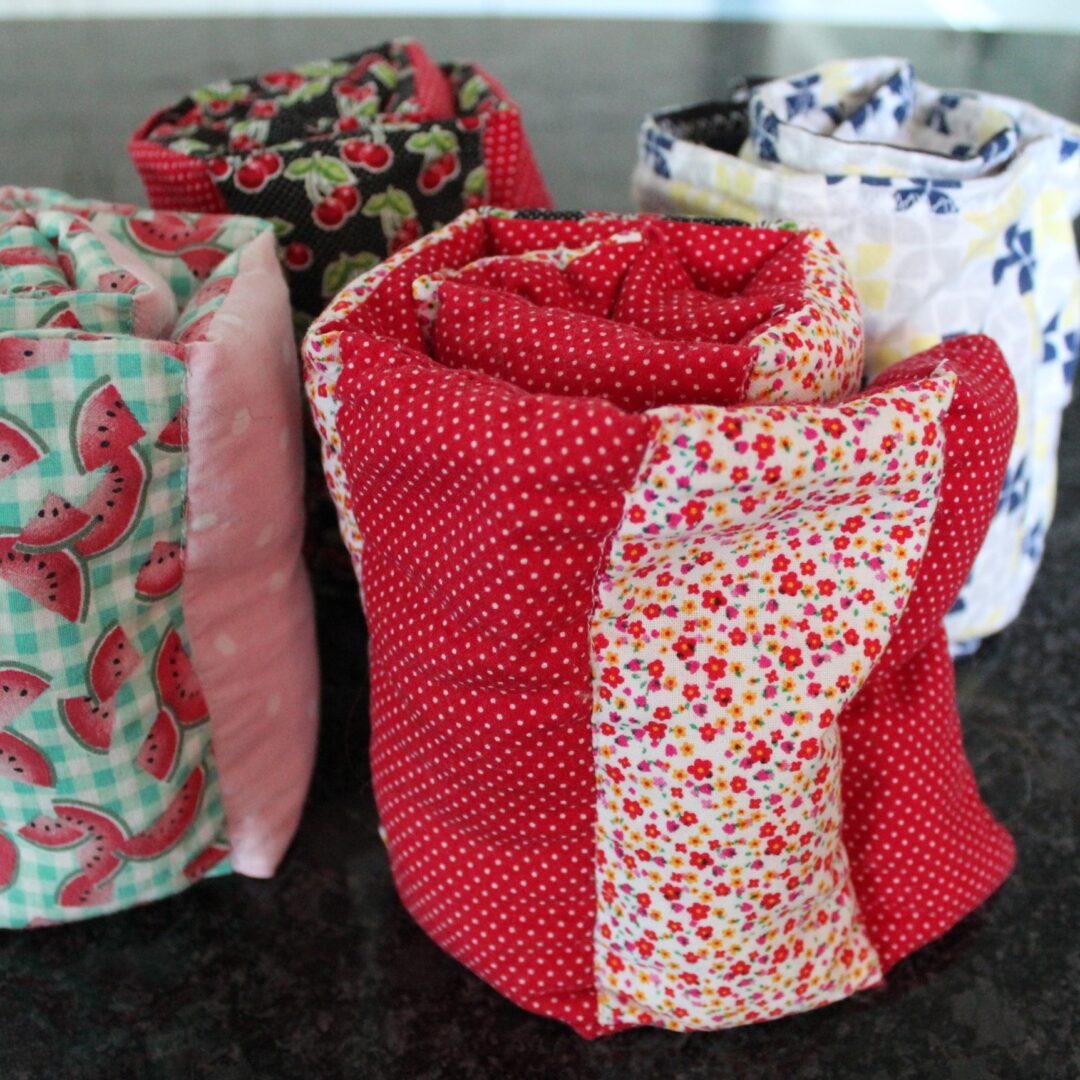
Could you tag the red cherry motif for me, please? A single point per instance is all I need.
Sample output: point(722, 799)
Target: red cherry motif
point(346, 123)
point(298, 256)
point(368, 155)
point(242, 143)
point(469, 123)
point(263, 110)
point(438, 172)
point(270, 163)
point(282, 80)
point(219, 167)
point(330, 213)
point(406, 234)
point(250, 177)
point(353, 91)
point(254, 173)
point(348, 196)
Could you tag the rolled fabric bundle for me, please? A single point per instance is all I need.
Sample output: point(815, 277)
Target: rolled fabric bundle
point(953, 209)
point(158, 678)
point(635, 554)
point(350, 158)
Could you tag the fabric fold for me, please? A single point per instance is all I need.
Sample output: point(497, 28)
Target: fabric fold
point(627, 611)
point(158, 677)
point(954, 210)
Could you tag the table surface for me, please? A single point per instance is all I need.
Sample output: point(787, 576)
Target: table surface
point(320, 972)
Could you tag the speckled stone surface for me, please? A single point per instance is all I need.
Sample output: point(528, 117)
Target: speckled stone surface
point(320, 973)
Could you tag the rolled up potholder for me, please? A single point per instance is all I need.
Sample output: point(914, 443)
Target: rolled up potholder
point(635, 554)
point(158, 678)
point(350, 158)
point(953, 210)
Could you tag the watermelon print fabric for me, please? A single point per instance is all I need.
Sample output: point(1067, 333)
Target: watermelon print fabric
point(663, 728)
point(350, 158)
point(953, 209)
point(137, 362)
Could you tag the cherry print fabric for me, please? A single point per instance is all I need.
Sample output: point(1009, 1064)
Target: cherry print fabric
point(158, 677)
point(614, 641)
point(954, 210)
point(350, 158)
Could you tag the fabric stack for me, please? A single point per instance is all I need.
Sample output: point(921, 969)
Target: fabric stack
point(158, 686)
point(664, 526)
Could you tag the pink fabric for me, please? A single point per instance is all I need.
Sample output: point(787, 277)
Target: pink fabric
point(246, 600)
point(155, 306)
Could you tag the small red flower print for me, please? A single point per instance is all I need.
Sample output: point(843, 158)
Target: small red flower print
point(700, 769)
point(693, 511)
point(612, 676)
point(872, 647)
point(761, 752)
point(731, 427)
point(853, 524)
point(791, 657)
point(715, 667)
point(635, 551)
point(901, 533)
point(833, 426)
point(712, 600)
point(808, 749)
point(764, 445)
point(684, 648)
point(632, 808)
point(790, 584)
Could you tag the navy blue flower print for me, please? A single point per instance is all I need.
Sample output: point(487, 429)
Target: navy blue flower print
point(655, 150)
point(932, 190)
point(1021, 255)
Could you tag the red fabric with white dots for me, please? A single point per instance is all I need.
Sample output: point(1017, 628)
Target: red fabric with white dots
point(485, 507)
point(590, 326)
point(924, 849)
point(173, 181)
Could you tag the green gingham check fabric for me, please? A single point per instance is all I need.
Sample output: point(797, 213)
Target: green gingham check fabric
point(38, 294)
point(45, 398)
point(150, 378)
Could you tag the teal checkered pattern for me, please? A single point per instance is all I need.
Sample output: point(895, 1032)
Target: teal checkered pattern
point(45, 398)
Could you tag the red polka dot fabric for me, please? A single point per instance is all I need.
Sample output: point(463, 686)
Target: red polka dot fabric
point(925, 850)
point(488, 400)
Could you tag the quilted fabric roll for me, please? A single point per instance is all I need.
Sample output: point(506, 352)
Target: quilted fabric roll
point(350, 158)
point(637, 556)
point(158, 680)
point(953, 209)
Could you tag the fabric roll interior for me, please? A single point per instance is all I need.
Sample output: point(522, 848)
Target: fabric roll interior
point(350, 158)
point(158, 677)
point(953, 209)
point(637, 556)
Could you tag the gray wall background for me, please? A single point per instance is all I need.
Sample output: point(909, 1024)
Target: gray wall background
point(74, 90)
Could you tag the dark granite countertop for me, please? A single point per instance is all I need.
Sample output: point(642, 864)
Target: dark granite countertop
point(320, 973)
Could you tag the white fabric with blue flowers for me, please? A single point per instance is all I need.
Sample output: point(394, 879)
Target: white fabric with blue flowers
point(954, 210)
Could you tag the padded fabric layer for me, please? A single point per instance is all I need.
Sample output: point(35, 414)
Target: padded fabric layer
point(156, 651)
point(613, 638)
point(352, 157)
point(954, 211)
